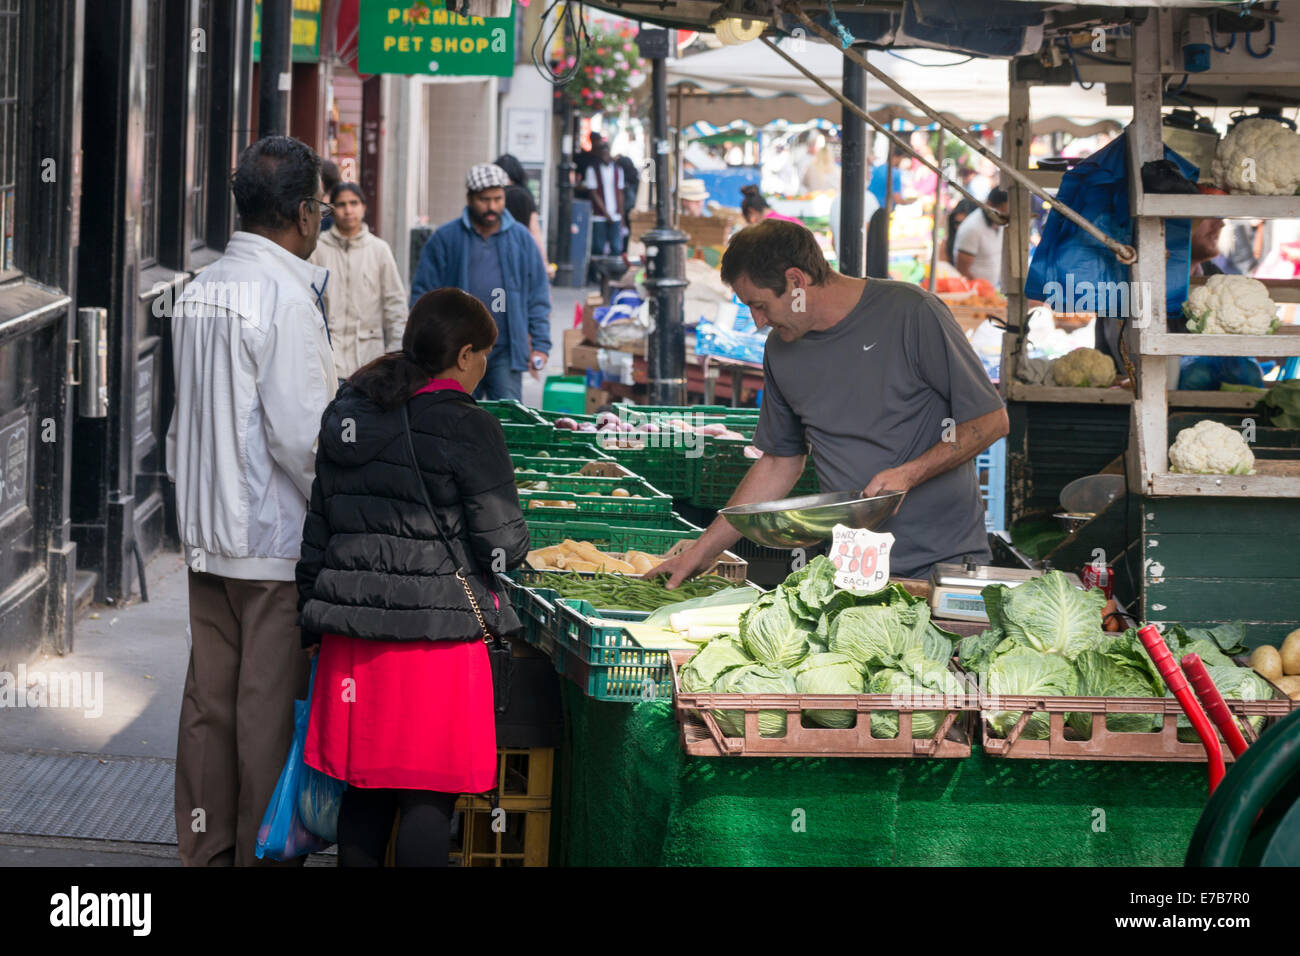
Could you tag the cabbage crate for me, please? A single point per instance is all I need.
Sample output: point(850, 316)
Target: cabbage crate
point(1063, 743)
point(702, 736)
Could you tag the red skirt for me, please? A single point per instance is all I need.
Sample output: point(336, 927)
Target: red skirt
point(406, 715)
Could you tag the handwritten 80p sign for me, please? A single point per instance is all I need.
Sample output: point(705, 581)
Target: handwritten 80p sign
point(861, 558)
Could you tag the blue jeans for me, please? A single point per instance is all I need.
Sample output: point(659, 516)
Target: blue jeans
point(500, 381)
point(609, 231)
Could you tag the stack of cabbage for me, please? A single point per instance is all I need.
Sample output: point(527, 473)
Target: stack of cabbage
point(808, 637)
point(1046, 638)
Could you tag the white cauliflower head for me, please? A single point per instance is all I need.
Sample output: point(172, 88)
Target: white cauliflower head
point(1231, 305)
point(1084, 368)
point(1211, 448)
point(1259, 156)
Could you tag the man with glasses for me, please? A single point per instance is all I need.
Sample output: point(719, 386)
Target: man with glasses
point(254, 370)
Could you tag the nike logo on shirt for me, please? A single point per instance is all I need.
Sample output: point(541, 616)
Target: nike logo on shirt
point(868, 348)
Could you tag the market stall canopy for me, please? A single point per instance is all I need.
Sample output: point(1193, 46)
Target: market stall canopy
point(996, 28)
point(754, 84)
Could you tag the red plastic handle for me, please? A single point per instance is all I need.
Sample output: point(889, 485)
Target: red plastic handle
point(1214, 704)
point(1168, 668)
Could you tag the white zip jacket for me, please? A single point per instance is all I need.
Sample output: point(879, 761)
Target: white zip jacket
point(254, 371)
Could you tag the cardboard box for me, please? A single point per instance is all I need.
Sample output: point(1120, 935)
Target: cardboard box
point(596, 397)
point(583, 357)
point(572, 340)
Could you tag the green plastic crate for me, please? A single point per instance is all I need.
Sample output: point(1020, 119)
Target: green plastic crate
point(565, 393)
point(719, 471)
point(613, 537)
point(555, 465)
point(547, 415)
point(743, 420)
point(508, 410)
point(668, 469)
point(604, 661)
point(519, 445)
point(590, 497)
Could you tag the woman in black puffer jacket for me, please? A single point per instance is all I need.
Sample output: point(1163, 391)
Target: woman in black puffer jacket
point(402, 708)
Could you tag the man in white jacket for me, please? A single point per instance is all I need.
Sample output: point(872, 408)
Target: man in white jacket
point(254, 371)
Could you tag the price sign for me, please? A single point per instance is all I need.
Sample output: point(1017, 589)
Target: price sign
point(861, 558)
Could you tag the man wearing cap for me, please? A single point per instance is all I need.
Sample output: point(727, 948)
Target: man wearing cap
point(490, 255)
point(693, 196)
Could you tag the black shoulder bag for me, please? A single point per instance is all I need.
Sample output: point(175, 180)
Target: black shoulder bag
point(498, 647)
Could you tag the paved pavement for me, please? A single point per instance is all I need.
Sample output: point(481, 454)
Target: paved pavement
point(130, 663)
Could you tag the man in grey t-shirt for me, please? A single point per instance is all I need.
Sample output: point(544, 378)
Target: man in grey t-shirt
point(879, 379)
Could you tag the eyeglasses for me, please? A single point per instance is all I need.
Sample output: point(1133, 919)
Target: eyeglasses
point(324, 205)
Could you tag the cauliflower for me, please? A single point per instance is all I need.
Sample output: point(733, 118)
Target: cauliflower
point(1210, 448)
point(1259, 156)
point(1231, 305)
point(1085, 368)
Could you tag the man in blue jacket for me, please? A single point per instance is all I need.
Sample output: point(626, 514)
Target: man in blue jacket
point(493, 257)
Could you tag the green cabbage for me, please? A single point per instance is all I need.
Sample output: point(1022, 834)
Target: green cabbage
point(879, 635)
point(773, 633)
point(710, 662)
point(1026, 672)
point(1101, 676)
point(1048, 614)
point(1234, 683)
point(829, 674)
point(753, 679)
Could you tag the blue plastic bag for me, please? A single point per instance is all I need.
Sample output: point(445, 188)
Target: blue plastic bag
point(1070, 265)
point(303, 815)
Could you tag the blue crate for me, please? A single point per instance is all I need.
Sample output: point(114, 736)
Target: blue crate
point(991, 468)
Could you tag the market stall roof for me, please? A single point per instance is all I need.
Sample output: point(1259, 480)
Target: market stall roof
point(753, 83)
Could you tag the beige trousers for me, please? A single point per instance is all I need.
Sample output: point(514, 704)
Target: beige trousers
point(246, 668)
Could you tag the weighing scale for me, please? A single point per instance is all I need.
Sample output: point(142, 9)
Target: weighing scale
point(955, 588)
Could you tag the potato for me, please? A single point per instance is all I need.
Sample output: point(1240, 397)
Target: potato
point(1289, 686)
point(1267, 662)
point(1291, 653)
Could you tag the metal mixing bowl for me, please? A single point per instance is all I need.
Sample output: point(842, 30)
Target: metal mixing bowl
point(810, 519)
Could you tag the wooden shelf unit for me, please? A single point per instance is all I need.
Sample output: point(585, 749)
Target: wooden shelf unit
point(1146, 342)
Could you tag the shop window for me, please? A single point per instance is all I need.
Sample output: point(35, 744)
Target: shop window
point(9, 46)
point(152, 121)
point(198, 197)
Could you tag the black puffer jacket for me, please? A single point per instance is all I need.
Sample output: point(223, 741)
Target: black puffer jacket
point(372, 563)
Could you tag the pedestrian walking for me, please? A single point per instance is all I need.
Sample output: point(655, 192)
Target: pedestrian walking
point(488, 254)
point(329, 180)
point(414, 485)
point(604, 181)
point(365, 299)
point(520, 202)
point(253, 370)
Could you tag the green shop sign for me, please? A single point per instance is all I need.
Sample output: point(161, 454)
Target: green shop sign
point(423, 38)
point(305, 30)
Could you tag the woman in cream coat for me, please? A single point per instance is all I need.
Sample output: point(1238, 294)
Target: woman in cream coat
point(365, 300)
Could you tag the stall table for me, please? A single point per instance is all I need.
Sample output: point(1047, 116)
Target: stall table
point(627, 795)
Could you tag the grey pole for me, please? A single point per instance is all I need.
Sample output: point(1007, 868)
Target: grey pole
point(665, 246)
point(272, 101)
point(853, 174)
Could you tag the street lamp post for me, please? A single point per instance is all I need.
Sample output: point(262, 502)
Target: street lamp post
point(665, 272)
point(564, 210)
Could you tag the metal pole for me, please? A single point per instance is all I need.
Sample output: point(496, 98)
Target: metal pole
point(853, 175)
point(1124, 253)
point(275, 79)
point(665, 246)
point(938, 210)
point(564, 209)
